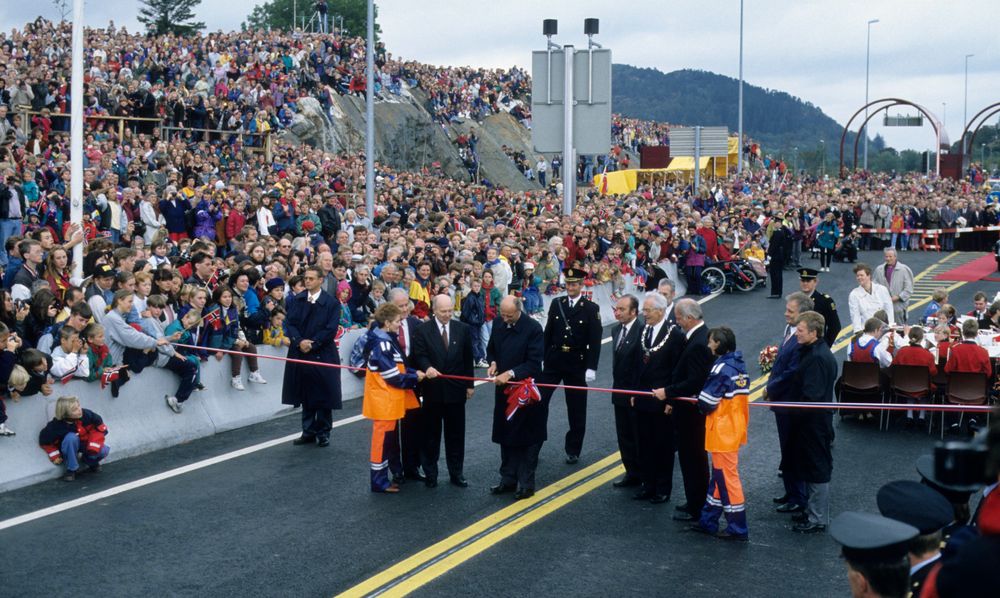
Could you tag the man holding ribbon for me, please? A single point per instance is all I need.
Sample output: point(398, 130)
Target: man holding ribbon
point(519, 424)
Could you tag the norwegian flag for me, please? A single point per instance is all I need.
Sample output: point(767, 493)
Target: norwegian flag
point(213, 319)
point(108, 376)
point(69, 376)
point(340, 334)
point(604, 181)
point(521, 394)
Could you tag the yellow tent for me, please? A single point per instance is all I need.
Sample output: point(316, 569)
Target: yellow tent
point(686, 164)
point(619, 181)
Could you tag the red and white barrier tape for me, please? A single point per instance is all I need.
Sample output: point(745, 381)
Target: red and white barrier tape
point(781, 404)
point(930, 231)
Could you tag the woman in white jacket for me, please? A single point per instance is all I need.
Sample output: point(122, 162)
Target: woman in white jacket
point(265, 217)
point(150, 217)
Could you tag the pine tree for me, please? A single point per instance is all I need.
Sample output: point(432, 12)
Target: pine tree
point(169, 16)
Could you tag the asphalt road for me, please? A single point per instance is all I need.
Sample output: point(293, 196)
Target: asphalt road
point(300, 521)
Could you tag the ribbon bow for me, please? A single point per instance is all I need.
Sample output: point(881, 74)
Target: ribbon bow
point(521, 394)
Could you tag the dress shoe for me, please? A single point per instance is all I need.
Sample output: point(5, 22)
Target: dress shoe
point(572, 459)
point(430, 483)
point(323, 442)
point(684, 516)
point(808, 528)
point(459, 481)
point(523, 494)
point(304, 440)
point(780, 500)
point(657, 499)
point(724, 535)
point(683, 507)
point(69, 476)
point(774, 296)
point(643, 495)
point(502, 488)
point(414, 475)
point(627, 482)
point(789, 508)
point(95, 468)
point(801, 517)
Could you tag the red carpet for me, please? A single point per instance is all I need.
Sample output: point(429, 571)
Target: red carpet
point(978, 269)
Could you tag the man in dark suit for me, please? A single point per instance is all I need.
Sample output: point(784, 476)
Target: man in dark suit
point(659, 345)
point(572, 350)
point(627, 359)
point(515, 353)
point(312, 322)
point(780, 238)
point(781, 387)
point(443, 345)
point(667, 288)
point(687, 379)
point(410, 428)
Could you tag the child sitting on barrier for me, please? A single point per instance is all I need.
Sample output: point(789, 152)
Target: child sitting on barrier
point(188, 322)
point(274, 334)
point(75, 434)
point(102, 367)
point(222, 322)
point(15, 381)
point(69, 359)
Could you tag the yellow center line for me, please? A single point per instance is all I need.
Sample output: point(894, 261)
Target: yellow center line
point(483, 526)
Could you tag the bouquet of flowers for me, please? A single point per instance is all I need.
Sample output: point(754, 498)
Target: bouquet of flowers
point(766, 358)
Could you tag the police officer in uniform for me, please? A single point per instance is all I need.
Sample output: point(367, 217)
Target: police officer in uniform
point(822, 304)
point(875, 550)
point(572, 350)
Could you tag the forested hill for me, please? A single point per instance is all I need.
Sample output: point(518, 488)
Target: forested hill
point(777, 119)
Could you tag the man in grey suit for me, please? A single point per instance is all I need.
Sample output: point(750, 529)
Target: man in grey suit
point(898, 278)
point(627, 357)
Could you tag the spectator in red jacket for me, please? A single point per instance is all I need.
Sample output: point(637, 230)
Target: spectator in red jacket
point(967, 356)
point(73, 433)
point(916, 354)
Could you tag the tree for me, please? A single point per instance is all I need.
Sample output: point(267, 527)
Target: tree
point(278, 14)
point(170, 16)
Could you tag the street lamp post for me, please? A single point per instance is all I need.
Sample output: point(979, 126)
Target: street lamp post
point(868, 52)
point(965, 110)
point(739, 126)
point(822, 157)
point(944, 114)
point(370, 113)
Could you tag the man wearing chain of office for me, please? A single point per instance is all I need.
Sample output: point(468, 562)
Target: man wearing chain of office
point(572, 350)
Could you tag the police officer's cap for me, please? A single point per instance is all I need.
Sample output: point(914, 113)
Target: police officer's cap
point(956, 494)
point(574, 275)
point(870, 538)
point(808, 273)
point(916, 504)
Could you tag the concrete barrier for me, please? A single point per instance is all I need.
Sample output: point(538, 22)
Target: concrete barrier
point(139, 420)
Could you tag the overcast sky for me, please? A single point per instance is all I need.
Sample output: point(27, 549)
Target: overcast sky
point(813, 49)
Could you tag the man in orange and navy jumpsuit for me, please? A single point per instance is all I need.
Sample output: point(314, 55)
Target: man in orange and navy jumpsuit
point(724, 402)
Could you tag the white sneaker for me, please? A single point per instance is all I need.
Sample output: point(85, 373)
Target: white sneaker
point(482, 364)
point(173, 403)
point(256, 378)
point(5, 431)
point(237, 383)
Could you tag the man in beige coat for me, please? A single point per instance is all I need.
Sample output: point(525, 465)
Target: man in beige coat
point(898, 278)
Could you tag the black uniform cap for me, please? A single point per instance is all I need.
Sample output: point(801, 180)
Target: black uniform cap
point(870, 538)
point(808, 273)
point(916, 504)
point(574, 275)
point(956, 494)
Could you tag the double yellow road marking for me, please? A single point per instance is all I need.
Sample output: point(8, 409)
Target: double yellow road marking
point(432, 562)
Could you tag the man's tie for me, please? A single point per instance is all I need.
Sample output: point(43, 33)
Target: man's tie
point(621, 339)
point(649, 336)
point(402, 339)
point(788, 333)
point(444, 336)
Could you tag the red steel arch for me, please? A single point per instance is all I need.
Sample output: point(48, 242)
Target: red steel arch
point(878, 105)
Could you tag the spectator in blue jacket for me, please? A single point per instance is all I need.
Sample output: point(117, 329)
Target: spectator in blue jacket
point(174, 211)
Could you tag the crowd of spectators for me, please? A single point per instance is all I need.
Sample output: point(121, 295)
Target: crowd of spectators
point(204, 240)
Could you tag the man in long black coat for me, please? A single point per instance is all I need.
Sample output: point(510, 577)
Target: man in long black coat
point(443, 345)
point(660, 344)
point(313, 317)
point(515, 352)
point(626, 367)
point(810, 444)
point(687, 379)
